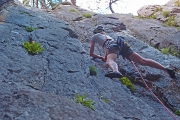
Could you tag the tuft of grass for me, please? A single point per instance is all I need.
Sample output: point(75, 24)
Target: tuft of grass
point(33, 48)
point(82, 100)
point(30, 29)
point(171, 21)
point(87, 15)
point(165, 14)
point(93, 70)
point(168, 50)
point(177, 112)
point(25, 13)
point(153, 16)
point(158, 9)
point(105, 100)
point(127, 82)
point(72, 10)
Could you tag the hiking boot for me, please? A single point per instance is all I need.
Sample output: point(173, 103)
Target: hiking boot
point(171, 73)
point(114, 75)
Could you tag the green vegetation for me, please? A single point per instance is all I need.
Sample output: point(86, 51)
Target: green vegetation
point(105, 100)
point(82, 100)
point(25, 13)
point(139, 17)
point(153, 16)
point(33, 48)
point(30, 29)
point(125, 81)
point(168, 50)
point(177, 3)
point(158, 9)
point(165, 14)
point(93, 70)
point(179, 28)
point(72, 10)
point(87, 15)
point(177, 112)
point(171, 21)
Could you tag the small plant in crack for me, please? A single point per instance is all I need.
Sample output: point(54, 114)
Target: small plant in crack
point(82, 100)
point(30, 29)
point(33, 48)
point(127, 82)
point(93, 70)
point(87, 15)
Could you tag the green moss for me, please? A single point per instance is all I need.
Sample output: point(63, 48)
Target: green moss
point(87, 15)
point(33, 49)
point(82, 100)
point(93, 70)
point(126, 81)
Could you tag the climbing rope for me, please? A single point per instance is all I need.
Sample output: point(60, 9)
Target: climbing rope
point(147, 87)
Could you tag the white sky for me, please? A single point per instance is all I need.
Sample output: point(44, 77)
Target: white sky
point(126, 6)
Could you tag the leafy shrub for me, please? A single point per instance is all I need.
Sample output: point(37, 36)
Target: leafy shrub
point(166, 13)
point(33, 48)
point(125, 81)
point(30, 29)
point(82, 100)
point(93, 70)
point(87, 15)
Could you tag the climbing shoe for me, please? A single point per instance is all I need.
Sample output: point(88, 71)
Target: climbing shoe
point(171, 73)
point(113, 75)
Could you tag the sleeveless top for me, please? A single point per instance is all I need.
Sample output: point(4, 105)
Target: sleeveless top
point(101, 39)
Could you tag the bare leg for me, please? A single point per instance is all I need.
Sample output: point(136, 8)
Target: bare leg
point(111, 58)
point(146, 62)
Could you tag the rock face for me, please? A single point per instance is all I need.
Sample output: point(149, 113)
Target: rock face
point(43, 87)
point(156, 25)
point(2, 2)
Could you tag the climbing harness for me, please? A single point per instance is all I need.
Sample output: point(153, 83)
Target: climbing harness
point(147, 87)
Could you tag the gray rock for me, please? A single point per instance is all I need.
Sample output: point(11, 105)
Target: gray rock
point(44, 86)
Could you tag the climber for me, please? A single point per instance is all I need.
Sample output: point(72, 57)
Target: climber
point(114, 48)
